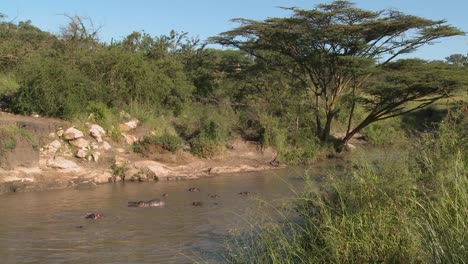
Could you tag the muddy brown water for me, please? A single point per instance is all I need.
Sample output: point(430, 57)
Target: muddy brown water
point(49, 227)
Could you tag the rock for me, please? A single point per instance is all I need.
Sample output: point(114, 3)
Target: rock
point(81, 153)
point(61, 163)
point(52, 135)
point(132, 124)
point(15, 178)
point(53, 147)
point(132, 174)
point(97, 132)
point(105, 146)
point(72, 133)
point(153, 169)
point(96, 155)
point(130, 139)
point(121, 161)
point(120, 150)
point(103, 177)
point(59, 132)
point(94, 145)
point(350, 147)
point(80, 142)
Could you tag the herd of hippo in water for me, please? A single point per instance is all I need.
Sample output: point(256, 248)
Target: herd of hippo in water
point(157, 203)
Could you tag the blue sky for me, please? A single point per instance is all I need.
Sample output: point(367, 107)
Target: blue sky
point(205, 18)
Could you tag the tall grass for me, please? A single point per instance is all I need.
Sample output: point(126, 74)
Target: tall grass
point(406, 208)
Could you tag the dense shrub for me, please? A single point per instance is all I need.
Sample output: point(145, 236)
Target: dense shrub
point(52, 87)
point(404, 208)
point(169, 142)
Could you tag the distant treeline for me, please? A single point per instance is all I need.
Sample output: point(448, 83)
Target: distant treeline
point(196, 89)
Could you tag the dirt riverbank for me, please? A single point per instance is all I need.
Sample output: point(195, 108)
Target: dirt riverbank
point(50, 155)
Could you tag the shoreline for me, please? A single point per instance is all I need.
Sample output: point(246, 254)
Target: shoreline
point(65, 157)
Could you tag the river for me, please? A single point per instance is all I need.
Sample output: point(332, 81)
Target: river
point(49, 227)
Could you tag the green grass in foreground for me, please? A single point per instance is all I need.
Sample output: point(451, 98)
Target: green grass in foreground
point(409, 208)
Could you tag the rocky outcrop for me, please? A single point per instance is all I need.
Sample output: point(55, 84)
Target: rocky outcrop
point(153, 169)
point(131, 124)
point(97, 132)
point(63, 164)
point(79, 142)
point(72, 133)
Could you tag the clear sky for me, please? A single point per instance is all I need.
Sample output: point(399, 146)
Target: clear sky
point(205, 18)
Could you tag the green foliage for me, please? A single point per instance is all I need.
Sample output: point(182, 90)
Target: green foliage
point(334, 48)
point(169, 142)
point(206, 146)
point(8, 85)
point(119, 170)
point(206, 127)
point(50, 86)
point(98, 112)
point(302, 150)
point(7, 139)
point(386, 132)
point(9, 136)
point(407, 207)
point(210, 141)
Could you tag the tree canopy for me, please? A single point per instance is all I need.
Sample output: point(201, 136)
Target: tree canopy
point(334, 49)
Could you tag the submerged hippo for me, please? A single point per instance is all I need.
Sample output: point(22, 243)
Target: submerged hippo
point(194, 189)
point(150, 203)
point(93, 216)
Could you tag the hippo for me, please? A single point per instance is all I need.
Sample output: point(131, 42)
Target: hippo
point(197, 203)
point(213, 196)
point(164, 194)
point(194, 189)
point(150, 203)
point(93, 216)
point(244, 193)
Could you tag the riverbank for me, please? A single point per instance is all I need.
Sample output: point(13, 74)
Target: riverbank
point(54, 154)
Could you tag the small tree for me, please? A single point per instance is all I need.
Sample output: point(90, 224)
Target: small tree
point(334, 50)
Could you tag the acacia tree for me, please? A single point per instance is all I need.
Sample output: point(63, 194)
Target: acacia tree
point(334, 49)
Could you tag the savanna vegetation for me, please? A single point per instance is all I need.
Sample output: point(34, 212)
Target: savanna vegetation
point(290, 83)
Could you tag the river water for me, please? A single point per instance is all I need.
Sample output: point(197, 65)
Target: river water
point(49, 227)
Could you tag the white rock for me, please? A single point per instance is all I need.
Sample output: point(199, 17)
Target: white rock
point(94, 145)
point(72, 133)
point(120, 150)
point(81, 153)
point(64, 164)
point(131, 124)
point(15, 178)
point(80, 142)
point(53, 146)
point(105, 145)
point(52, 135)
point(59, 132)
point(121, 161)
point(97, 132)
point(129, 139)
point(96, 156)
point(153, 169)
point(103, 177)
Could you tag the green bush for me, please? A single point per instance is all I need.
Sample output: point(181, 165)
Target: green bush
point(51, 86)
point(385, 132)
point(169, 142)
point(9, 136)
point(205, 146)
point(8, 85)
point(404, 208)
